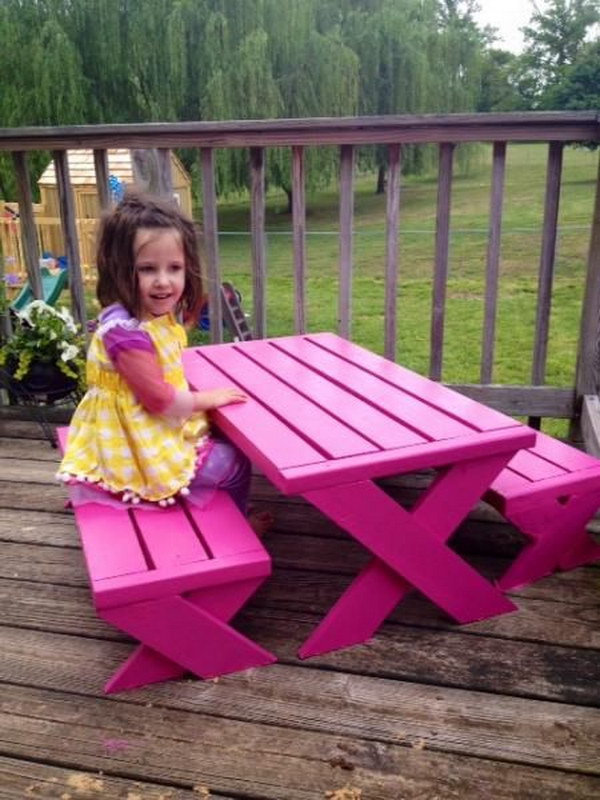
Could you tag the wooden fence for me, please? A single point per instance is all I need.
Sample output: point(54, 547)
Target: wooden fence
point(554, 128)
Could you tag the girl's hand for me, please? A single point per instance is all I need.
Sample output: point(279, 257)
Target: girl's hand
point(215, 398)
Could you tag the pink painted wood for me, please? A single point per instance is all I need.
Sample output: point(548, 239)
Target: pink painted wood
point(549, 492)
point(327, 417)
point(173, 578)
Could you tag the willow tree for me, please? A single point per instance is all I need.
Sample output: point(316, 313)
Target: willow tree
point(269, 65)
point(43, 83)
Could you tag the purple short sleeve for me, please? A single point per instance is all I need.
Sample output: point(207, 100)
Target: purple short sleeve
point(120, 331)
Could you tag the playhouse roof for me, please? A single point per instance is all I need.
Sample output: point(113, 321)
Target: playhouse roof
point(82, 172)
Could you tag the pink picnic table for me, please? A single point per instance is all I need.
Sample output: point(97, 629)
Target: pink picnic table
point(325, 418)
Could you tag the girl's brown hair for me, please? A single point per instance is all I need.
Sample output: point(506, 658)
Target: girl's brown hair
point(115, 256)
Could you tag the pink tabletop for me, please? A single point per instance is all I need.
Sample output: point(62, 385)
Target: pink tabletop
point(324, 412)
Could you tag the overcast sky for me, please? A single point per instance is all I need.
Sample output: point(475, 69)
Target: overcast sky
point(508, 16)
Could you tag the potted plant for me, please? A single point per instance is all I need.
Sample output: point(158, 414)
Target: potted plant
point(46, 352)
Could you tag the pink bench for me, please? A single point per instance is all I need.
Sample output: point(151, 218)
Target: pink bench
point(172, 579)
point(549, 492)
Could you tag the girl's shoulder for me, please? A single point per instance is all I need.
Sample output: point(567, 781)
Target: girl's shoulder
point(119, 330)
point(114, 316)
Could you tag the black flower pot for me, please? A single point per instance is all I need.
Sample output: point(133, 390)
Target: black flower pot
point(45, 378)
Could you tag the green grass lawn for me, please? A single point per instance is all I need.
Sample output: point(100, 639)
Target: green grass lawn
point(522, 226)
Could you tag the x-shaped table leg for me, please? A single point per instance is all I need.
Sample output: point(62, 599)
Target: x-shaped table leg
point(185, 634)
point(410, 552)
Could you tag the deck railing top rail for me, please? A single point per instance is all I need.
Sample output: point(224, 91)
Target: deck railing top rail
point(514, 126)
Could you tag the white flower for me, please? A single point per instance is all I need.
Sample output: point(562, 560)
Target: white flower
point(69, 351)
point(25, 314)
point(39, 305)
point(67, 318)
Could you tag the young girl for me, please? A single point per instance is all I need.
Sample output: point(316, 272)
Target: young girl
point(140, 435)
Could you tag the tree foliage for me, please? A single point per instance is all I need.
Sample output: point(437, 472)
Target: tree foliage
point(95, 61)
point(555, 37)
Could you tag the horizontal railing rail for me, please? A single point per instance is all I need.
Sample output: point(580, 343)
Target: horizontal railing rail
point(554, 128)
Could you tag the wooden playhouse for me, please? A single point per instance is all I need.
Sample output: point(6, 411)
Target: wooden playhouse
point(87, 208)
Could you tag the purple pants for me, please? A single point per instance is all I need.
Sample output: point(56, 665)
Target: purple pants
point(225, 467)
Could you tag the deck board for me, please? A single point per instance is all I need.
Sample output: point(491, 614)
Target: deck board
point(506, 708)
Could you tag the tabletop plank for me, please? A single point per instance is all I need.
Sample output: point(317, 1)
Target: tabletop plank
point(264, 437)
point(334, 437)
point(463, 408)
point(431, 423)
point(341, 404)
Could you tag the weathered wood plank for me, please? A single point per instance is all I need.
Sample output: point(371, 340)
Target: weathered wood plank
point(590, 424)
point(102, 176)
point(442, 255)
point(537, 401)
point(565, 616)
point(17, 495)
point(554, 615)
point(442, 658)
point(519, 126)
point(66, 207)
point(165, 178)
point(346, 236)
point(260, 761)
point(547, 259)
point(493, 262)
point(211, 244)
point(36, 527)
point(259, 249)
point(537, 733)
point(588, 356)
point(19, 779)
point(299, 238)
point(28, 470)
point(30, 449)
point(27, 223)
point(391, 250)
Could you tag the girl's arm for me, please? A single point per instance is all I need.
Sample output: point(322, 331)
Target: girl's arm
point(144, 376)
point(132, 352)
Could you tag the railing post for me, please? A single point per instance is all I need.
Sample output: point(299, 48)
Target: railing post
point(67, 218)
point(211, 244)
point(442, 250)
point(152, 170)
point(299, 226)
point(588, 354)
point(493, 262)
point(102, 176)
point(257, 223)
point(346, 238)
point(546, 275)
point(391, 250)
point(27, 222)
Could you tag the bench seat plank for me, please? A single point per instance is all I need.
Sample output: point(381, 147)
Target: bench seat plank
point(168, 536)
point(110, 542)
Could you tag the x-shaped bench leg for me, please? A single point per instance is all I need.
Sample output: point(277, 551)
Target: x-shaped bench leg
point(558, 539)
point(185, 634)
point(410, 552)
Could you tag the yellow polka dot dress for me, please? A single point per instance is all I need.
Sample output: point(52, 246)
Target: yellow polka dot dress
point(115, 443)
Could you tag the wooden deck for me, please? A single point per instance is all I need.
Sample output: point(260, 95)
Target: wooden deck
point(507, 708)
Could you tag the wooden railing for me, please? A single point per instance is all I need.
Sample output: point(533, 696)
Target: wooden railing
point(555, 128)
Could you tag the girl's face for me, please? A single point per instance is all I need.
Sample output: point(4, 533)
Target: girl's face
point(159, 263)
